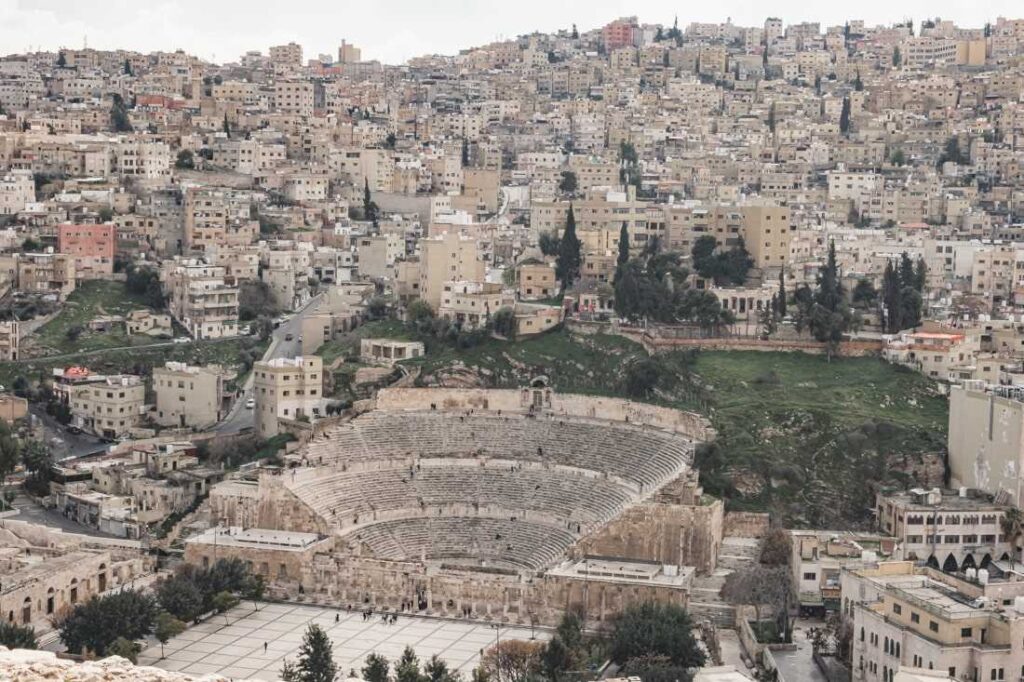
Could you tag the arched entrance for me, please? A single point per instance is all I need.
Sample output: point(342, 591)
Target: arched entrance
point(949, 565)
point(50, 601)
point(26, 611)
point(968, 562)
point(932, 562)
point(102, 578)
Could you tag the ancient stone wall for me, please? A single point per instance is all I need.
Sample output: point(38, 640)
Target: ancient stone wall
point(279, 509)
point(495, 595)
point(746, 525)
point(680, 535)
point(688, 424)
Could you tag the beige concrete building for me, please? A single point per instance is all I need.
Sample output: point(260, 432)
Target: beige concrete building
point(986, 439)
point(109, 408)
point(200, 299)
point(536, 281)
point(377, 254)
point(287, 388)
point(10, 333)
point(187, 396)
point(450, 257)
point(904, 616)
point(389, 351)
point(471, 305)
point(43, 273)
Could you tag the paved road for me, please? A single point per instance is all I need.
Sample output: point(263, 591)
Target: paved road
point(29, 510)
point(240, 417)
point(64, 445)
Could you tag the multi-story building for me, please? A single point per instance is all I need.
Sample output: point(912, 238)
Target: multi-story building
point(199, 298)
point(451, 257)
point(293, 97)
point(17, 189)
point(92, 247)
point(46, 273)
point(951, 530)
point(109, 408)
point(471, 305)
point(10, 337)
point(536, 281)
point(188, 396)
point(287, 388)
point(970, 626)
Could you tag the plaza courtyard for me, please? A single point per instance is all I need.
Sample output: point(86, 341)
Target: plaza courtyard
point(233, 646)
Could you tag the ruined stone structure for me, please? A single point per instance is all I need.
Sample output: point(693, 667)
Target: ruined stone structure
point(509, 504)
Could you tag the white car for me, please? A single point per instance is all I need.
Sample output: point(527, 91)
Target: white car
point(182, 339)
point(250, 403)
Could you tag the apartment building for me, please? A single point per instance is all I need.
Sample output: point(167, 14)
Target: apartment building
point(17, 189)
point(286, 57)
point(765, 229)
point(969, 626)
point(986, 439)
point(377, 254)
point(287, 388)
point(388, 351)
point(143, 159)
point(92, 247)
point(46, 273)
point(293, 97)
point(471, 305)
point(820, 557)
point(951, 530)
point(10, 333)
point(217, 218)
point(450, 257)
point(287, 274)
point(109, 408)
point(349, 54)
point(536, 281)
point(188, 396)
point(199, 298)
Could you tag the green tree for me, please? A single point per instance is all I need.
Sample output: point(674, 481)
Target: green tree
point(649, 628)
point(227, 126)
point(776, 548)
point(830, 290)
point(17, 636)
point(316, 659)
point(407, 668)
point(186, 160)
point(844, 117)
point(437, 670)
point(61, 60)
point(623, 246)
point(782, 296)
point(128, 68)
point(125, 648)
point(504, 323)
point(119, 120)
point(568, 262)
point(419, 314)
point(897, 57)
point(892, 299)
point(96, 623)
point(642, 377)
point(864, 293)
point(548, 243)
point(144, 282)
point(569, 183)
point(223, 602)
point(376, 668)
point(167, 626)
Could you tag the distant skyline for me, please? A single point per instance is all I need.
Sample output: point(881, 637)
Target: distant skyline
point(392, 31)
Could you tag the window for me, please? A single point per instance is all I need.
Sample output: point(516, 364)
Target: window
point(933, 626)
point(965, 632)
point(810, 576)
point(915, 617)
point(897, 609)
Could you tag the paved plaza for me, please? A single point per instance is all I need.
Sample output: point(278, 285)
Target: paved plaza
point(236, 650)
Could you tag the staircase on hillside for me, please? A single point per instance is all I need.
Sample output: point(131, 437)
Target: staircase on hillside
point(705, 602)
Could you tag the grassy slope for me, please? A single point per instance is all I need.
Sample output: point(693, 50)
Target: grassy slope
point(799, 436)
point(91, 300)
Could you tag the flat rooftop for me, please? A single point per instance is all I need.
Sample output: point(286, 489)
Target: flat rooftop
point(234, 649)
point(279, 540)
point(618, 571)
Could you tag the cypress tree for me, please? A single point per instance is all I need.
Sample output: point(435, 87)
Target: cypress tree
point(782, 292)
point(623, 246)
point(567, 264)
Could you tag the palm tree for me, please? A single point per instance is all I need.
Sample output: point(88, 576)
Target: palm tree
point(1012, 525)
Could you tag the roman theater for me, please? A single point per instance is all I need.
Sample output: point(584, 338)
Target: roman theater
point(512, 505)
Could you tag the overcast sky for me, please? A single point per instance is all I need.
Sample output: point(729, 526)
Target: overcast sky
point(394, 30)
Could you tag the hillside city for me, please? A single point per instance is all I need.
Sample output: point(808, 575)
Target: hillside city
point(645, 352)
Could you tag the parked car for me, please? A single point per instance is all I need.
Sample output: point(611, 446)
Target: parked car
point(250, 403)
point(289, 337)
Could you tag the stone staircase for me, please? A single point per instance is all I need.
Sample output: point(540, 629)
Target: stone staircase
point(705, 602)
